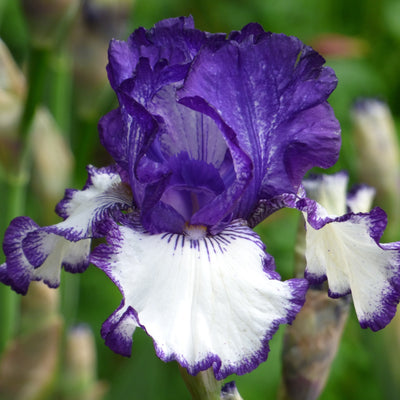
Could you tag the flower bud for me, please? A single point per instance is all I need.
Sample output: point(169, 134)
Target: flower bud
point(79, 377)
point(378, 153)
point(12, 90)
point(12, 80)
point(52, 157)
point(51, 154)
point(45, 17)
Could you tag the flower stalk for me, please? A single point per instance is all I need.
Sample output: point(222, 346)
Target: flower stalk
point(310, 345)
point(202, 386)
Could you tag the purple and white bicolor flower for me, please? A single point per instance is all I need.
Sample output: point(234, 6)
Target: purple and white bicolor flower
point(342, 246)
point(210, 131)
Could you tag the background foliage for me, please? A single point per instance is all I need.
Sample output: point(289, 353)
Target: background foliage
point(370, 68)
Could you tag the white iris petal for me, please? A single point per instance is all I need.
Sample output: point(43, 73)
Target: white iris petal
point(208, 302)
point(343, 249)
point(352, 261)
point(60, 252)
point(87, 206)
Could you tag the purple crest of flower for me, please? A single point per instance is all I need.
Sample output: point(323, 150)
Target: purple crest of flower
point(252, 107)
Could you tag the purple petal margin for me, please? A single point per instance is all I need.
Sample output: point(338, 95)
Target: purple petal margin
point(27, 247)
point(17, 272)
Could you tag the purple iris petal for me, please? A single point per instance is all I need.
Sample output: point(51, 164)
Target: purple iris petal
point(38, 253)
point(271, 90)
point(114, 134)
point(256, 99)
point(192, 184)
point(174, 40)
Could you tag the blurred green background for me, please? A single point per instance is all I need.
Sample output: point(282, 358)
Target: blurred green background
point(361, 42)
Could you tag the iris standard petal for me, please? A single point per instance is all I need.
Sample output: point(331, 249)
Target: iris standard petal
point(114, 135)
point(250, 85)
point(174, 40)
point(166, 129)
point(185, 130)
point(207, 301)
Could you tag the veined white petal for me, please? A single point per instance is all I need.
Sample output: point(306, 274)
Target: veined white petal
point(83, 209)
point(347, 254)
point(53, 251)
point(209, 302)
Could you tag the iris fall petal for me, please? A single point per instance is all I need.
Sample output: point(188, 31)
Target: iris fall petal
point(207, 301)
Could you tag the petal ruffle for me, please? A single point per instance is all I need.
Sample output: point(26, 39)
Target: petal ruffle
point(212, 301)
point(38, 253)
point(174, 40)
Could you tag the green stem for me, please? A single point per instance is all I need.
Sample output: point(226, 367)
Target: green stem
point(18, 181)
point(8, 314)
point(36, 81)
point(61, 91)
point(3, 5)
point(84, 145)
point(203, 386)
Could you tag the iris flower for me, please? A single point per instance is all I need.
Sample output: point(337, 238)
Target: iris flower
point(212, 134)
